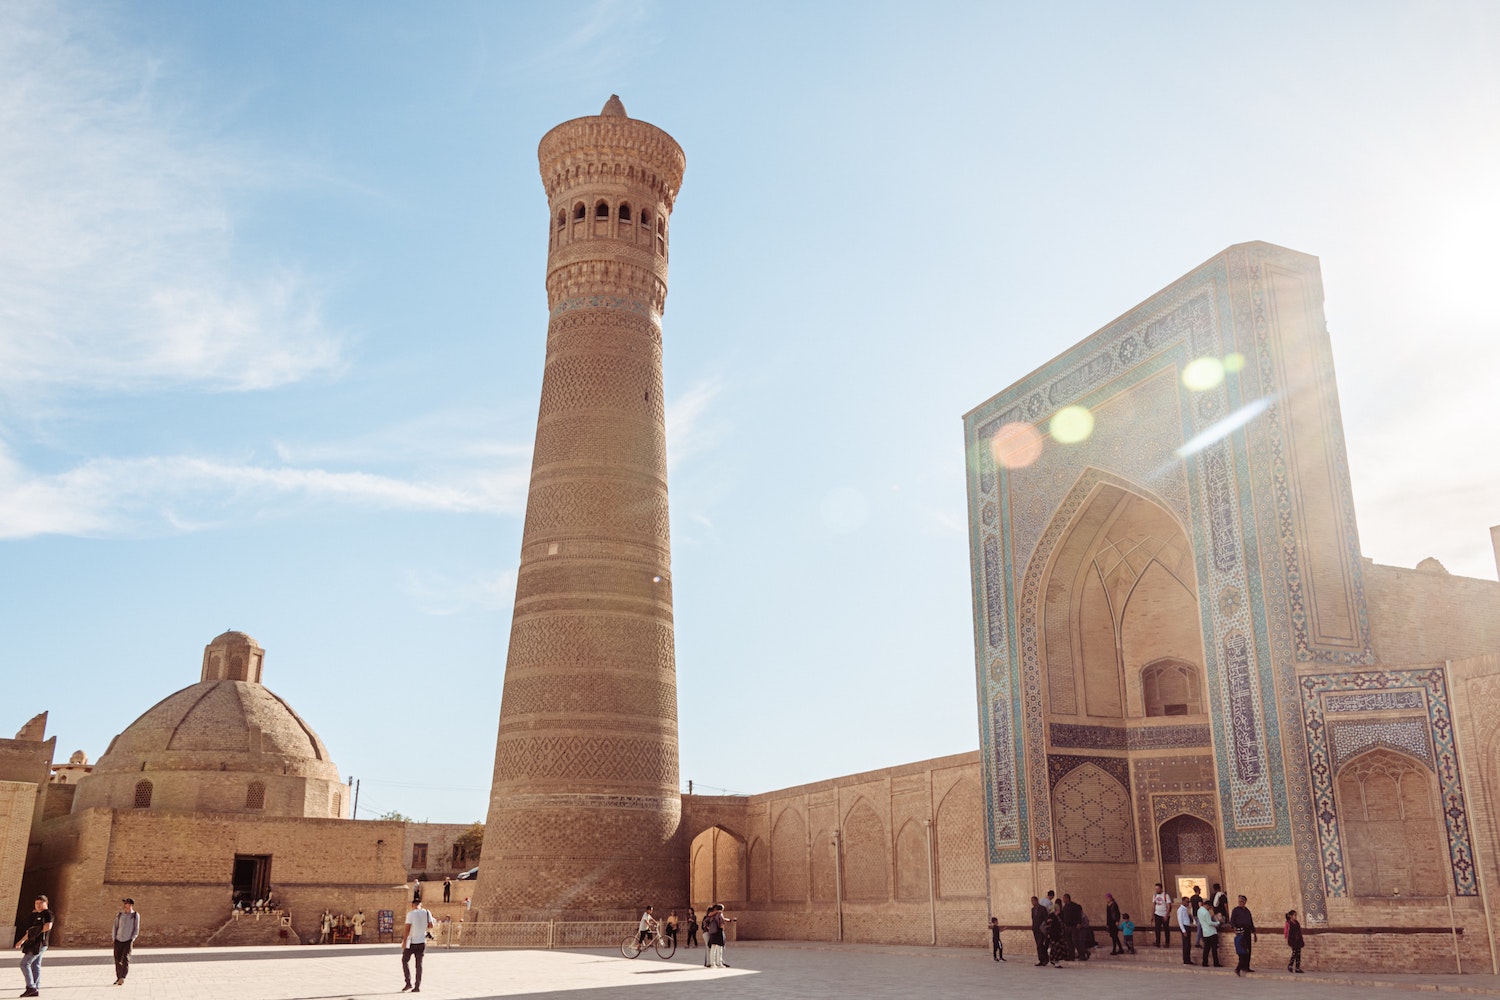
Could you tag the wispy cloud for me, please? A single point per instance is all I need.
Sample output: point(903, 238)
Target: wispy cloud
point(607, 37)
point(118, 263)
point(692, 424)
point(174, 494)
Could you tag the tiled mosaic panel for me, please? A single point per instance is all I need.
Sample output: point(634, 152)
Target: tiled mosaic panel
point(1323, 766)
point(1186, 782)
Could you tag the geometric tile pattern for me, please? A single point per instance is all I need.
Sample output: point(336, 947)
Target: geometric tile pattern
point(1396, 733)
point(1408, 736)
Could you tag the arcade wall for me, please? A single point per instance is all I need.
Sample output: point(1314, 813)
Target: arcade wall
point(898, 852)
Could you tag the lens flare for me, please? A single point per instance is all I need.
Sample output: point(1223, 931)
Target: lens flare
point(1202, 374)
point(1234, 362)
point(1071, 424)
point(1016, 445)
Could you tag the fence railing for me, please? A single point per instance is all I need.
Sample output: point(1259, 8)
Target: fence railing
point(543, 934)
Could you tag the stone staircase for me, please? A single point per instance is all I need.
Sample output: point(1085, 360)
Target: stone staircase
point(249, 929)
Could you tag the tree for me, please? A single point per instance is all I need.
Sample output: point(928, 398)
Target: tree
point(395, 817)
point(467, 846)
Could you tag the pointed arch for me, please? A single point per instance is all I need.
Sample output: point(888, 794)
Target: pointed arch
point(789, 857)
point(1391, 824)
point(866, 854)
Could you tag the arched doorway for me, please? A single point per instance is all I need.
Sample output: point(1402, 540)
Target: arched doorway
point(1189, 855)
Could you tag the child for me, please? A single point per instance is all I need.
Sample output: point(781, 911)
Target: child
point(1127, 931)
point(1293, 934)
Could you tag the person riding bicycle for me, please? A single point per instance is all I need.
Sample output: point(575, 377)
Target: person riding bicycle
point(647, 927)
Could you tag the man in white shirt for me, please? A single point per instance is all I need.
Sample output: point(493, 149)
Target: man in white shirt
point(647, 927)
point(414, 944)
point(1185, 924)
point(1161, 903)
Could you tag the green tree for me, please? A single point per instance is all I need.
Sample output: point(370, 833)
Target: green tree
point(395, 817)
point(467, 846)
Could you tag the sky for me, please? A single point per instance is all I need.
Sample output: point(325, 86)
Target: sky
point(272, 324)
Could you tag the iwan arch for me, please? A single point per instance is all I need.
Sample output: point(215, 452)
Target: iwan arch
point(1186, 668)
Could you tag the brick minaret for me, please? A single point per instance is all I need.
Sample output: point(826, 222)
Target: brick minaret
point(585, 807)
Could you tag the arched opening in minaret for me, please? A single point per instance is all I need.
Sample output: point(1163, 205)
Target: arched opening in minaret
point(562, 218)
point(580, 211)
point(624, 212)
point(601, 210)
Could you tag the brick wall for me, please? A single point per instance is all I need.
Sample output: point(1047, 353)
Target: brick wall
point(770, 858)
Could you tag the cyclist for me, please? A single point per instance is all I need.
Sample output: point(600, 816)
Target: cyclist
point(647, 927)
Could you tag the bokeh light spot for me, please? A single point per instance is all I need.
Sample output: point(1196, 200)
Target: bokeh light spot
point(1071, 424)
point(1016, 445)
point(1234, 362)
point(1202, 374)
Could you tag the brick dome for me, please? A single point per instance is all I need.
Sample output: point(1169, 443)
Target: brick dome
point(227, 743)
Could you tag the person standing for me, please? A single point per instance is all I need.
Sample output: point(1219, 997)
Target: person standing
point(1219, 900)
point(127, 929)
point(997, 950)
point(33, 945)
point(692, 922)
point(1127, 931)
point(1112, 924)
point(325, 927)
point(359, 926)
point(1185, 925)
point(671, 928)
point(414, 945)
point(416, 892)
point(447, 889)
point(1243, 922)
point(1208, 931)
point(1293, 934)
point(1039, 930)
point(715, 936)
point(1161, 904)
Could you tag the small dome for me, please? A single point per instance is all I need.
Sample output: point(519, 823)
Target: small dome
point(79, 757)
point(202, 748)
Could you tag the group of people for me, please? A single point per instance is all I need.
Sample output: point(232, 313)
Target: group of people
point(1209, 918)
point(1062, 930)
point(713, 927)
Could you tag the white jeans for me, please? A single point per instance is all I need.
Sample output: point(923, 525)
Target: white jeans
point(716, 956)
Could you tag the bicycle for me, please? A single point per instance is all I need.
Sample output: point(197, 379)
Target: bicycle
point(665, 946)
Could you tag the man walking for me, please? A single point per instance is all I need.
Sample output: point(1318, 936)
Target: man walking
point(127, 929)
point(447, 889)
point(1161, 904)
point(1038, 930)
point(414, 945)
point(33, 945)
point(1243, 923)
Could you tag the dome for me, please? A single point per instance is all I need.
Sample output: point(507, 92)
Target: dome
point(225, 743)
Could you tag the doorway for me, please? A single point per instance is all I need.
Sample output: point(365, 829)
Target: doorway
point(251, 878)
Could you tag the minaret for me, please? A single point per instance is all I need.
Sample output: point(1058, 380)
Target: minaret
point(585, 806)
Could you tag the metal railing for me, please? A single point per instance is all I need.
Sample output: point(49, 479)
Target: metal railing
point(542, 934)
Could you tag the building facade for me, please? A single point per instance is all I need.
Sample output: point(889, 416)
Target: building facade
point(1188, 672)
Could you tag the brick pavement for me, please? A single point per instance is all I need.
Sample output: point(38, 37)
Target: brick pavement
point(761, 971)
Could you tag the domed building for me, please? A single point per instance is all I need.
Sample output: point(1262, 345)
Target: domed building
point(224, 744)
point(218, 794)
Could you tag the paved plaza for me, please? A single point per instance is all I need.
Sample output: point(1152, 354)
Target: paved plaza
point(761, 971)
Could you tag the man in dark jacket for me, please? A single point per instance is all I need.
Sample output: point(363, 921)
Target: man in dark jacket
point(1038, 930)
point(1244, 934)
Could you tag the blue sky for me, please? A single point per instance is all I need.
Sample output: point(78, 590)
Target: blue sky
point(272, 324)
